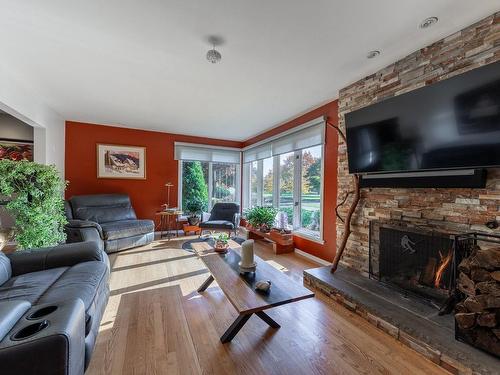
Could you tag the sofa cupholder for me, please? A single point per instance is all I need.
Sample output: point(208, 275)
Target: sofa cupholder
point(30, 330)
point(42, 312)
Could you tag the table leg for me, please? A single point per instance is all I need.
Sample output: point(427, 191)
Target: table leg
point(205, 284)
point(235, 328)
point(266, 318)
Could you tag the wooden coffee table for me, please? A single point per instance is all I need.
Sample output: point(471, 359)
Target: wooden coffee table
point(240, 289)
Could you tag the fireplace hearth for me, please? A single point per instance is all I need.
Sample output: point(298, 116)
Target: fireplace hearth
point(417, 261)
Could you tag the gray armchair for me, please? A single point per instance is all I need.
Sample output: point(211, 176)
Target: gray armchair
point(224, 217)
point(107, 219)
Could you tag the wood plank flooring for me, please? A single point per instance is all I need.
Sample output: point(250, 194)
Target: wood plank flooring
point(156, 323)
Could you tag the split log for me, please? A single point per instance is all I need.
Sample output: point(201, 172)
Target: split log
point(488, 259)
point(491, 288)
point(487, 320)
point(496, 332)
point(460, 308)
point(466, 285)
point(487, 341)
point(495, 275)
point(473, 304)
point(464, 266)
point(479, 274)
point(465, 320)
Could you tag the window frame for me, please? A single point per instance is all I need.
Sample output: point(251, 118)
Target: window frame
point(297, 191)
point(210, 182)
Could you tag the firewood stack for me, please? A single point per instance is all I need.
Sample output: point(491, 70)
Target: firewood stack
point(478, 314)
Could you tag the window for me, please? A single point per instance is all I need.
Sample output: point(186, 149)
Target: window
point(286, 184)
point(287, 173)
point(208, 173)
point(267, 182)
point(224, 182)
point(310, 194)
point(210, 182)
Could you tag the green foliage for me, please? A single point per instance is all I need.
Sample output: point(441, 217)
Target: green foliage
point(222, 238)
point(35, 200)
point(195, 206)
point(221, 192)
point(258, 216)
point(193, 184)
point(313, 176)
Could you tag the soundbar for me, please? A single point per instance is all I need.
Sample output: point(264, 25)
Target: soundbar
point(467, 178)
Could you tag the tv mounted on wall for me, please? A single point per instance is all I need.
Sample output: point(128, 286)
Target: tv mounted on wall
point(452, 124)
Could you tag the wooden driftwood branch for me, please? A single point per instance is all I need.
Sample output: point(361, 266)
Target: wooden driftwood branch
point(356, 192)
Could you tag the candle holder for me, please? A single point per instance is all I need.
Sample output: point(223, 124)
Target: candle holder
point(247, 263)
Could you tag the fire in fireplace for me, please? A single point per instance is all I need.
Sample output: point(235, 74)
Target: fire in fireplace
point(415, 261)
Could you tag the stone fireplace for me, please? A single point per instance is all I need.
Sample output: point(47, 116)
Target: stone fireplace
point(399, 266)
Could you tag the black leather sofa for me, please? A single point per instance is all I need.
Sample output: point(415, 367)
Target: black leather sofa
point(51, 304)
point(224, 217)
point(109, 220)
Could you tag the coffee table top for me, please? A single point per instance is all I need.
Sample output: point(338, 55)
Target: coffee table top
point(240, 289)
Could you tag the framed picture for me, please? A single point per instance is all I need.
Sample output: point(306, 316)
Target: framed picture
point(115, 161)
point(14, 149)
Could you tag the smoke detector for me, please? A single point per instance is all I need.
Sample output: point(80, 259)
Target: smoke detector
point(428, 22)
point(372, 54)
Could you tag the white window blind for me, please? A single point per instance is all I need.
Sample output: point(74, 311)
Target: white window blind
point(309, 135)
point(194, 152)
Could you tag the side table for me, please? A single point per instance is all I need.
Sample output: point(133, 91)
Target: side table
point(167, 218)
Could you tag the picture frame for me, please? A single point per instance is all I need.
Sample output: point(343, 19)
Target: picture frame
point(16, 149)
point(121, 161)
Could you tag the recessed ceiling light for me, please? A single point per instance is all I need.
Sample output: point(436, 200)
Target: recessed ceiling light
point(428, 22)
point(372, 54)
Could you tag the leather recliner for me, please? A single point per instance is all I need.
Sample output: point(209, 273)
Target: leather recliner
point(107, 219)
point(51, 304)
point(224, 217)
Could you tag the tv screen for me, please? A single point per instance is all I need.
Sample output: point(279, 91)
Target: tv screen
point(451, 124)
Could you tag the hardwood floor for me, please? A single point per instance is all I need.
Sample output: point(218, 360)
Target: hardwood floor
point(156, 323)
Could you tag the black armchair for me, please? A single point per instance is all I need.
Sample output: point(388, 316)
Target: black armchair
point(224, 217)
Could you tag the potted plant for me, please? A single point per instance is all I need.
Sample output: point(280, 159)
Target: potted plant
point(194, 207)
point(33, 196)
point(261, 218)
point(221, 242)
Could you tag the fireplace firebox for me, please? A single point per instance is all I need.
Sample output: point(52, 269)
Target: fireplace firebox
point(417, 261)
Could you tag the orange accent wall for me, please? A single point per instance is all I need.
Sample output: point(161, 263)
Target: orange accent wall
point(146, 195)
point(327, 250)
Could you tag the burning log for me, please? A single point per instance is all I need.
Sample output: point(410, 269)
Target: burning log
point(427, 276)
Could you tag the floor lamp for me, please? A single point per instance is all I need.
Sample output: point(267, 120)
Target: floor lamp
point(168, 185)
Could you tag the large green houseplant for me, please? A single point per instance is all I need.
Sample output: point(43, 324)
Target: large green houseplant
point(34, 195)
point(261, 217)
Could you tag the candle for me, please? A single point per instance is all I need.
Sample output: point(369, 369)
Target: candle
point(247, 260)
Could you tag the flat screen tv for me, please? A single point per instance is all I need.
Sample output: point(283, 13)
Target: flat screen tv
point(452, 124)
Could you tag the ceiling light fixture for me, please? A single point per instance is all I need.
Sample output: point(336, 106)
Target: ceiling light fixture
point(372, 54)
point(428, 22)
point(214, 56)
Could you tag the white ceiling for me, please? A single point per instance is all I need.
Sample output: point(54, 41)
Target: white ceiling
point(141, 64)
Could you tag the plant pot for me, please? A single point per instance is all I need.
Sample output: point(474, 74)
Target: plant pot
point(221, 247)
point(193, 220)
point(264, 228)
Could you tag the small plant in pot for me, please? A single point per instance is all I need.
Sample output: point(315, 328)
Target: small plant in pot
point(195, 208)
point(221, 242)
point(261, 218)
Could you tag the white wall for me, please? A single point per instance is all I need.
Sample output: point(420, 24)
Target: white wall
point(20, 101)
point(12, 128)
